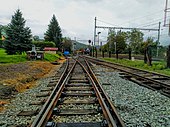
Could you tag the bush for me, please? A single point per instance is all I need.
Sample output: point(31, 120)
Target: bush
point(59, 53)
point(51, 57)
point(43, 44)
point(160, 67)
point(0, 43)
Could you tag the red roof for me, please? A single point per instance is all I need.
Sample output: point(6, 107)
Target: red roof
point(50, 49)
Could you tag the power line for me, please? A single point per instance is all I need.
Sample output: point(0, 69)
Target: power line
point(126, 28)
point(141, 17)
point(145, 24)
point(106, 22)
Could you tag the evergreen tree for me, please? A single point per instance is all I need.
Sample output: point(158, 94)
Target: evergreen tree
point(18, 36)
point(53, 32)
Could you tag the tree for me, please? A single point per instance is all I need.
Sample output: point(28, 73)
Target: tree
point(117, 40)
point(120, 41)
point(18, 36)
point(67, 44)
point(111, 41)
point(36, 38)
point(53, 32)
point(2, 34)
point(146, 49)
point(135, 38)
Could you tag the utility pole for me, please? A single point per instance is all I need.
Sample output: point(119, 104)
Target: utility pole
point(95, 32)
point(159, 30)
point(124, 28)
point(74, 44)
point(166, 11)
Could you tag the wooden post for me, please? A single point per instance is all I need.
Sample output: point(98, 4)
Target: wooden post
point(149, 56)
point(96, 51)
point(103, 54)
point(109, 54)
point(168, 57)
point(117, 54)
point(145, 58)
point(130, 52)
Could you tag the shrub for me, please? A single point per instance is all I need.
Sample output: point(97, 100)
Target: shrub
point(160, 67)
point(0, 43)
point(43, 44)
point(59, 53)
point(51, 57)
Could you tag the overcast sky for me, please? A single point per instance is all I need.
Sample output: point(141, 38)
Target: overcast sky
point(76, 17)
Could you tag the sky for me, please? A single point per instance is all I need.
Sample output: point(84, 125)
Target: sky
point(76, 17)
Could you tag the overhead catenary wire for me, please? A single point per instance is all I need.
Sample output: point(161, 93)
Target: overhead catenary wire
point(153, 23)
point(142, 17)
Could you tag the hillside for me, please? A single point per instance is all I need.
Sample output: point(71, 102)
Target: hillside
point(79, 45)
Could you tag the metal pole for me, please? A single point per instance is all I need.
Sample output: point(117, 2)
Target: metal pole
point(165, 16)
point(115, 48)
point(95, 31)
point(74, 44)
point(158, 38)
point(98, 38)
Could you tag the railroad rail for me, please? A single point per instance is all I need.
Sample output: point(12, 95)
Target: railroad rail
point(78, 100)
point(152, 80)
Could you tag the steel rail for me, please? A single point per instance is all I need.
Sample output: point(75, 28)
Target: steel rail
point(159, 83)
point(155, 73)
point(115, 113)
point(46, 111)
point(106, 112)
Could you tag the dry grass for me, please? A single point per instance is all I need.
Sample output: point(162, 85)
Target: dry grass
point(25, 79)
point(23, 76)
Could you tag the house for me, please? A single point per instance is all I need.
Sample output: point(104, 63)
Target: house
point(51, 50)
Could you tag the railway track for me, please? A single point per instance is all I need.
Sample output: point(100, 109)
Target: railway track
point(78, 100)
point(152, 80)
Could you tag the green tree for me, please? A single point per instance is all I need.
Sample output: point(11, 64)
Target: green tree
point(117, 40)
point(67, 44)
point(53, 32)
point(1, 27)
point(121, 41)
point(110, 46)
point(2, 33)
point(18, 36)
point(36, 38)
point(135, 38)
point(145, 44)
point(43, 44)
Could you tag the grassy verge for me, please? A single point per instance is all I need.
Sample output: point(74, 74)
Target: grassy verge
point(4, 58)
point(159, 67)
point(51, 57)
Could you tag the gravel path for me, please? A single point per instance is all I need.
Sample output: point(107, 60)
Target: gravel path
point(21, 102)
point(138, 106)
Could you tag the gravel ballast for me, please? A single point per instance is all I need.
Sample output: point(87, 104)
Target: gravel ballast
point(137, 106)
point(22, 101)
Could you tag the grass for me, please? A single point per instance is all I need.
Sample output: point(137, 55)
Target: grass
point(157, 66)
point(51, 57)
point(4, 58)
